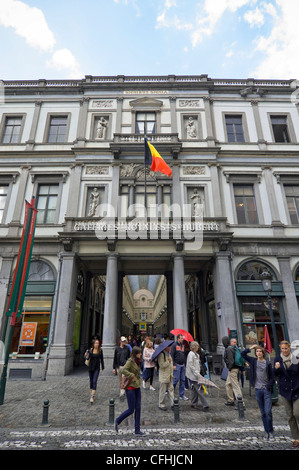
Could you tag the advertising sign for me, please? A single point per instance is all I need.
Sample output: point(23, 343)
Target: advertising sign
point(28, 334)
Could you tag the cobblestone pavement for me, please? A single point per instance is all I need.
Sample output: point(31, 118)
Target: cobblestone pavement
point(74, 424)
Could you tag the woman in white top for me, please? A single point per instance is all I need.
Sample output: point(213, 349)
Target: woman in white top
point(193, 372)
point(149, 366)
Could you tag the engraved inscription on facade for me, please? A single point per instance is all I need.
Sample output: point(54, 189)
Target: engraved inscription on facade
point(97, 170)
point(102, 103)
point(189, 103)
point(194, 170)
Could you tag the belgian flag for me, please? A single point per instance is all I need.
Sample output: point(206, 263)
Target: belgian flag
point(153, 158)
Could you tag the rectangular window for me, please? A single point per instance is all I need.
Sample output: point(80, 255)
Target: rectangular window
point(46, 203)
point(30, 334)
point(292, 195)
point(245, 204)
point(145, 123)
point(280, 128)
point(57, 129)
point(3, 196)
point(234, 128)
point(12, 130)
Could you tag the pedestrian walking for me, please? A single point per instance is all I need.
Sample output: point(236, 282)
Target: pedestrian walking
point(149, 365)
point(193, 371)
point(232, 386)
point(165, 378)
point(287, 371)
point(262, 379)
point(121, 355)
point(131, 370)
point(96, 361)
point(179, 367)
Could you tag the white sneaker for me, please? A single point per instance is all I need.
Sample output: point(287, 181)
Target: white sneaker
point(143, 384)
point(152, 388)
point(184, 398)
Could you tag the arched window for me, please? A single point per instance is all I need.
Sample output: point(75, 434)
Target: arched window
point(255, 309)
point(252, 270)
point(40, 271)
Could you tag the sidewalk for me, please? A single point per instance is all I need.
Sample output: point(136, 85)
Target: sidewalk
point(71, 418)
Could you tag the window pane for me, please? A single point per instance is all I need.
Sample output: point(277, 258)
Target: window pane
point(46, 203)
point(12, 130)
point(57, 129)
point(245, 204)
point(234, 128)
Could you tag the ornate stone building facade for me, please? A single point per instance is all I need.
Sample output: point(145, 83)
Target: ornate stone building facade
point(78, 147)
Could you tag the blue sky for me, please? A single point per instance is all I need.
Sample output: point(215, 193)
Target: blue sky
point(222, 38)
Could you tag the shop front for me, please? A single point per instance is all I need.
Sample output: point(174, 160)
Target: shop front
point(256, 308)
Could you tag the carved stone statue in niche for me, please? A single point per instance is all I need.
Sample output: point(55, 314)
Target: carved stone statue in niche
point(191, 129)
point(196, 203)
point(101, 128)
point(94, 199)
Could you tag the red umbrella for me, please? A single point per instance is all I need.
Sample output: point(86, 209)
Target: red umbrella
point(267, 341)
point(185, 333)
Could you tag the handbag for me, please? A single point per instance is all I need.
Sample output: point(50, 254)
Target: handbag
point(124, 383)
point(87, 358)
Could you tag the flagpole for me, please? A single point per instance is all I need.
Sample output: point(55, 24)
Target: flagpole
point(16, 298)
point(145, 201)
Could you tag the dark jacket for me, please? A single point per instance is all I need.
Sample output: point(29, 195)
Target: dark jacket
point(121, 355)
point(178, 353)
point(288, 380)
point(96, 361)
point(252, 363)
point(229, 354)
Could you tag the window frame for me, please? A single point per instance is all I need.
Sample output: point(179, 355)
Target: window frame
point(48, 125)
point(253, 179)
point(290, 127)
point(48, 180)
point(244, 126)
point(3, 126)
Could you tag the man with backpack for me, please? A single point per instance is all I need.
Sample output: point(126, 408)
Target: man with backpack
point(233, 361)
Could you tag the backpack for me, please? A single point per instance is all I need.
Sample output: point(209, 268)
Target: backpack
point(239, 360)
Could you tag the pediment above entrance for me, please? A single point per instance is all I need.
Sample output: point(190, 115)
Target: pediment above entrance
point(146, 103)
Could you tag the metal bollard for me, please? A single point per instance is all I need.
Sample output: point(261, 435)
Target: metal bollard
point(176, 411)
point(240, 407)
point(111, 411)
point(45, 412)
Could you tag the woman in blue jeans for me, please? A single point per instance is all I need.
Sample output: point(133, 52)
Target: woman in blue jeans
point(133, 393)
point(262, 379)
point(96, 358)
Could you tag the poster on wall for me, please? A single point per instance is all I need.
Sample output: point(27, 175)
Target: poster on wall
point(28, 334)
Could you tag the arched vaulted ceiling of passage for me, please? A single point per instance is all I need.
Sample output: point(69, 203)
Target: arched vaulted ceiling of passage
point(148, 282)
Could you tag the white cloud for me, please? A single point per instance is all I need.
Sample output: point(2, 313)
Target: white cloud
point(254, 17)
point(214, 10)
point(30, 23)
point(281, 46)
point(27, 22)
point(63, 59)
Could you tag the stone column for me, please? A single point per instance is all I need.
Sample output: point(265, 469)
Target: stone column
point(110, 310)
point(15, 223)
point(61, 345)
point(169, 293)
point(81, 129)
point(180, 318)
point(225, 295)
point(292, 313)
point(74, 191)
